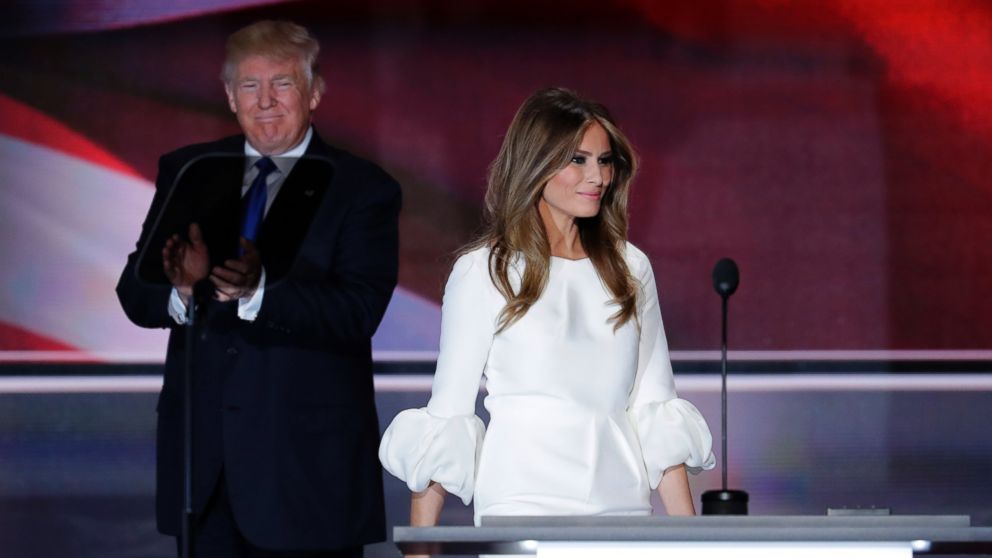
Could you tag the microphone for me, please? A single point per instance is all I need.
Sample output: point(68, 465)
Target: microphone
point(726, 278)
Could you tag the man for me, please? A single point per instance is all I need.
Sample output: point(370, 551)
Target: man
point(285, 429)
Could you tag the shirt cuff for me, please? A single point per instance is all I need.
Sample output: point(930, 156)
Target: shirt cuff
point(177, 307)
point(248, 307)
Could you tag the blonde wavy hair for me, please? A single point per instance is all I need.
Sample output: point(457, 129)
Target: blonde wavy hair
point(542, 140)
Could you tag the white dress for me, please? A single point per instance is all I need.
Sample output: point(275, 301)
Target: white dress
point(583, 420)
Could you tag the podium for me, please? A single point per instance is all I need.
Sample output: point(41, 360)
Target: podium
point(706, 536)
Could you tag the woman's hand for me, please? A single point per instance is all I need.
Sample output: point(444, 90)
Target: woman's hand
point(425, 508)
point(674, 491)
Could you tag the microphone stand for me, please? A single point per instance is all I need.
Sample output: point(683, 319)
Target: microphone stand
point(187, 520)
point(723, 391)
point(725, 501)
point(171, 215)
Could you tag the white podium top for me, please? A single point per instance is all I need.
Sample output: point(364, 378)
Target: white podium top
point(926, 535)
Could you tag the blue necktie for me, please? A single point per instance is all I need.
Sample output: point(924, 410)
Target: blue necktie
point(254, 202)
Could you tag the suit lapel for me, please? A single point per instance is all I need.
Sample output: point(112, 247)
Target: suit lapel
point(292, 212)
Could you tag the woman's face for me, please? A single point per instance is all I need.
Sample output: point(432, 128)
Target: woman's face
point(577, 189)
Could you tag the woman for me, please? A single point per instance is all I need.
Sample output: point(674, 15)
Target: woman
point(560, 313)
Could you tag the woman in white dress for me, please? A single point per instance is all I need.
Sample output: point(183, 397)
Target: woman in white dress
point(560, 313)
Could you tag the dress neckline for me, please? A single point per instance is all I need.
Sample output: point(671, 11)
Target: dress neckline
point(564, 259)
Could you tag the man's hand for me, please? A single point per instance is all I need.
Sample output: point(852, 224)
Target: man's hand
point(238, 278)
point(184, 262)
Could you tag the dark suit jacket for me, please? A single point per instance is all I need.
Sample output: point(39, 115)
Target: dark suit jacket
point(284, 405)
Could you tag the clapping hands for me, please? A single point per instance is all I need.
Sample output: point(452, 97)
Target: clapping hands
point(238, 278)
point(186, 262)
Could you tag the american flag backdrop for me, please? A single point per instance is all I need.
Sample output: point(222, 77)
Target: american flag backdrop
point(839, 150)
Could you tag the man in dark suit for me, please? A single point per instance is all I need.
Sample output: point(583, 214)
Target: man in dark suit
point(295, 244)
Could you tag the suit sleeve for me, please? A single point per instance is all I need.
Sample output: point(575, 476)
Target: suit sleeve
point(348, 305)
point(146, 303)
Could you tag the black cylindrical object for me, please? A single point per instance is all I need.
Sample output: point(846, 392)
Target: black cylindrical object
point(725, 502)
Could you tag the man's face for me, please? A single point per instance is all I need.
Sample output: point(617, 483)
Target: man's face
point(272, 101)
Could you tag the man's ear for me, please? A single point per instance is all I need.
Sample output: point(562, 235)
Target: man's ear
point(314, 98)
point(230, 98)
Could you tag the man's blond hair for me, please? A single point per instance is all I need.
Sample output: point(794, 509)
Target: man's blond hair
point(281, 40)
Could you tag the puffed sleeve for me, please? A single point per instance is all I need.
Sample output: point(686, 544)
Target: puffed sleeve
point(442, 441)
point(671, 430)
